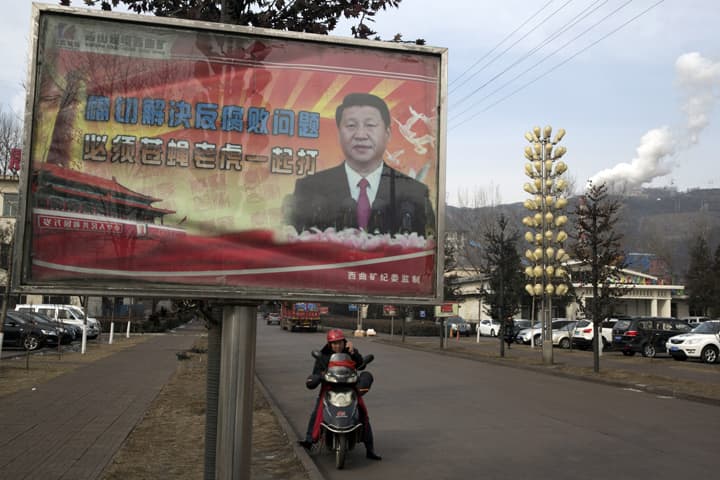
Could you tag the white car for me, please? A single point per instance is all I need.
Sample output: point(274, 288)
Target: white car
point(70, 314)
point(526, 335)
point(585, 332)
point(273, 319)
point(562, 334)
point(702, 342)
point(489, 327)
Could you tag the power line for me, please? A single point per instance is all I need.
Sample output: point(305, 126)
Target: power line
point(498, 45)
point(558, 65)
point(573, 21)
point(515, 43)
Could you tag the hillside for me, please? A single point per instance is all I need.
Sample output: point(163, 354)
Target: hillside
point(662, 222)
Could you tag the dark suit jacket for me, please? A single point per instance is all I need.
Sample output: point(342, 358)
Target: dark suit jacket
point(402, 204)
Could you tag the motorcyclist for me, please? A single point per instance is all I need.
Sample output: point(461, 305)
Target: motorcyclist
point(337, 343)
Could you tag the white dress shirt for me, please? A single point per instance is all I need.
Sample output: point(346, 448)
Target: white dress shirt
point(373, 179)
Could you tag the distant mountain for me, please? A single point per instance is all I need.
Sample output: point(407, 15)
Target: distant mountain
point(663, 222)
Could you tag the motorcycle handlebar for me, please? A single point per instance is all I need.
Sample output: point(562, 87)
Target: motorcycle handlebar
point(366, 359)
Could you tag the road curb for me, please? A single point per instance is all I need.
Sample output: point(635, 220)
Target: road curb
point(300, 452)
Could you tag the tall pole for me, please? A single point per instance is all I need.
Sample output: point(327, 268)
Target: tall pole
point(235, 396)
point(547, 346)
point(546, 270)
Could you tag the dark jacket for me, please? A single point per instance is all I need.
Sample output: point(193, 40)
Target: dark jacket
point(402, 204)
point(509, 330)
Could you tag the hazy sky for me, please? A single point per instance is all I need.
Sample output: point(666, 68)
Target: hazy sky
point(643, 96)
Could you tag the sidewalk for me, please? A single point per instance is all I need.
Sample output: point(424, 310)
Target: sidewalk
point(71, 426)
point(662, 375)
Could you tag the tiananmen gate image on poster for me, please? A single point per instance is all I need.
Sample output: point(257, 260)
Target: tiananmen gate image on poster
point(222, 161)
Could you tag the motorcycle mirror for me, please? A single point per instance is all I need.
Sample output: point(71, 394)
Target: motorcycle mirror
point(315, 354)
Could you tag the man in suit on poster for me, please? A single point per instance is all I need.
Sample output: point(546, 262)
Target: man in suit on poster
point(362, 192)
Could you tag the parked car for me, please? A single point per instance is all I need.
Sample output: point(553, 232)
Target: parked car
point(24, 333)
point(66, 332)
point(520, 324)
point(702, 342)
point(607, 327)
point(273, 318)
point(534, 334)
point(65, 313)
point(585, 333)
point(695, 321)
point(489, 327)
point(526, 335)
point(455, 325)
point(562, 335)
point(647, 335)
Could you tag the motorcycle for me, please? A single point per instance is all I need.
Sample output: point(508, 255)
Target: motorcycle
point(341, 427)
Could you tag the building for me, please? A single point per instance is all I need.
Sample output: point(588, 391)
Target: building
point(645, 295)
point(9, 205)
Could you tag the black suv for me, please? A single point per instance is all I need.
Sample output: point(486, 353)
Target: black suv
point(646, 335)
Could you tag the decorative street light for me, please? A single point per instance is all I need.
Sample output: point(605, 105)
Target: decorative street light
point(546, 274)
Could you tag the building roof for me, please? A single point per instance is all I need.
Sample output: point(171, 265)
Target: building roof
point(98, 183)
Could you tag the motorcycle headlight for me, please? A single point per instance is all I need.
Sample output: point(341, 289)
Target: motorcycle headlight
point(340, 399)
point(329, 377)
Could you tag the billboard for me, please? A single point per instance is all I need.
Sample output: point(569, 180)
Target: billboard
point(447, 310)
point(170, 157)
point(390, 311)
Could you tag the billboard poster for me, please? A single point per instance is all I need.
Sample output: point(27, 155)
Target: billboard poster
point(447, 310)
point(231, 162)
point(390, 311)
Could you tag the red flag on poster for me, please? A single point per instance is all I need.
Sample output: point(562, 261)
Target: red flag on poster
point(15, 157)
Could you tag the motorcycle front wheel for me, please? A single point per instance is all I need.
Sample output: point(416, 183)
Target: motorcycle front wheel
point(340, 451)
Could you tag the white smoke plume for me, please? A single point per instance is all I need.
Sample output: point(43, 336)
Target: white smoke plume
point(699, 79)
point(655, 145)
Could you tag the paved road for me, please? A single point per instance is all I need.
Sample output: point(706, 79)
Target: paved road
point(445, 417)
point(71, 426)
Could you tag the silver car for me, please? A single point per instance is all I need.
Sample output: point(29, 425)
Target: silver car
point(455, 325)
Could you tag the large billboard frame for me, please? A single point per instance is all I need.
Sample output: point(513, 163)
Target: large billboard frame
point(23, 280)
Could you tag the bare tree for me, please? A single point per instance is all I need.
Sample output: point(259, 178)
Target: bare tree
point(10, 137)
point(597, 248)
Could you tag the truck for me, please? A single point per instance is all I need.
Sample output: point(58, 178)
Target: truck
point(299, 315)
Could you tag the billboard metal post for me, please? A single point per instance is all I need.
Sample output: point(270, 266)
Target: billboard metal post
point(235, 396)
point(212, 387)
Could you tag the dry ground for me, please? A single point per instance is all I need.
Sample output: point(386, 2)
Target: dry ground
point(169, 441)
point(28, 371)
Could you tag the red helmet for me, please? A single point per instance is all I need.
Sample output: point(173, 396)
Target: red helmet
point(334, 335)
